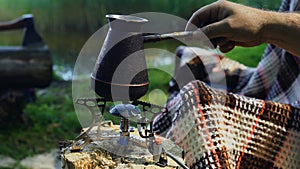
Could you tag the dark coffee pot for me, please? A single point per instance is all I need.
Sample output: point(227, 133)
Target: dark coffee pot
point(120, 72)
point(116, 75)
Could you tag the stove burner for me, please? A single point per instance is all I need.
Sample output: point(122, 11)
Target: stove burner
point(142, 113)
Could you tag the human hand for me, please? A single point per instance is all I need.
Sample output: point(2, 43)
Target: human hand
point(228, 24)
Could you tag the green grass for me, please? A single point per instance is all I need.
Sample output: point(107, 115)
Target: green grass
point(46, 122)
point(248, 56)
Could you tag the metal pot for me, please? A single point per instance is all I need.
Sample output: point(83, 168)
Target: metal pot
point(120, 72)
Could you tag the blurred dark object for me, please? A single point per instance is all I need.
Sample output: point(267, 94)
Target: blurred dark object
point(12, 103)
point(22, 68)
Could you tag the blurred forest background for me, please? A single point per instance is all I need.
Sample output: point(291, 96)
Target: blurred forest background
point(65, 25)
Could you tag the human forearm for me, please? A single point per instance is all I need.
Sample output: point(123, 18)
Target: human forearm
point(229, 24)
point(283, 30)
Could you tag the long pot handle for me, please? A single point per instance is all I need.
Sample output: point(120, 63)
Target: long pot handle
point(160, 37)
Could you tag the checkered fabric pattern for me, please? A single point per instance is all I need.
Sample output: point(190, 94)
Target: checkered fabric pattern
point(217, 129)
point(255, 125)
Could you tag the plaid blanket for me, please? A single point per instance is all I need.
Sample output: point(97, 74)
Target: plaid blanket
point(254, 123)
point(217, 129)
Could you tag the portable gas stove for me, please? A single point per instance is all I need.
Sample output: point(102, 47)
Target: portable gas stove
point(142, 113)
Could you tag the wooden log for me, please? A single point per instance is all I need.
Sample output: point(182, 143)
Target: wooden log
point(23, 67)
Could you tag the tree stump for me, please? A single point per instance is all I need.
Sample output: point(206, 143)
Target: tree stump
point(103, 154)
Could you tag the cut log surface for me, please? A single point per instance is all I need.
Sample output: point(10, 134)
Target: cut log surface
point(22, 67)
point(102, 154)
